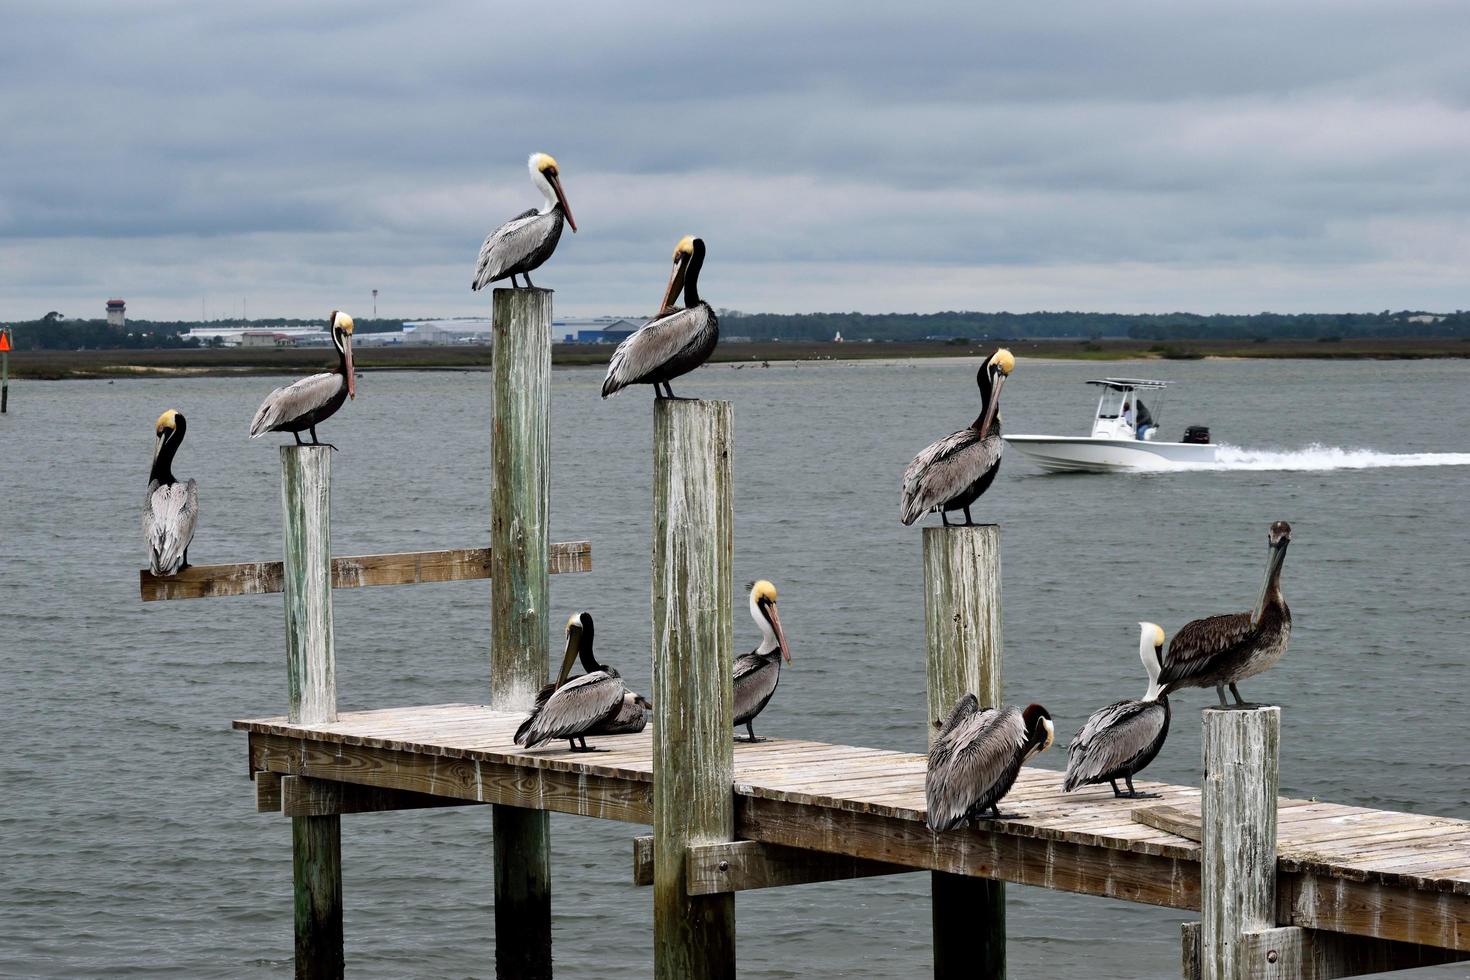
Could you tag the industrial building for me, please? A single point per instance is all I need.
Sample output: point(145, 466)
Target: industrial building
point(116, 313)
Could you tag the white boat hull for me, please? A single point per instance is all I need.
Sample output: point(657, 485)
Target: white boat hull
point(1087, 454)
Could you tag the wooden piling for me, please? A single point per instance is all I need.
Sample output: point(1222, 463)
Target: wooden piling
point(316, 842)
point(520, 618)
point(693, 752)
point(963, 644)
point(1238, 831)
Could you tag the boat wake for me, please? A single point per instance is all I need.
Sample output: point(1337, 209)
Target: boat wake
point(1317, 457)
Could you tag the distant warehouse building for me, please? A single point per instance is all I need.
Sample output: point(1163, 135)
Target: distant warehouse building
point(266, 338)
point(595, 330)
point(116, 313)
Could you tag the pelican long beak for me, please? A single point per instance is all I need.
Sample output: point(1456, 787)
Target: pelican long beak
point(1275, 556)
point(993, 404)
point(347, 361)
point(562, 200)
point(574, 642)
point(159, 439)
point(676, 282)
point(775, 618)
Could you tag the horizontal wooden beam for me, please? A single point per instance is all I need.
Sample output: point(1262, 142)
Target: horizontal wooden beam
point(742, 865)
point(1171, 820)
point(353, 572)
point(1294, 953)
point(305, 797)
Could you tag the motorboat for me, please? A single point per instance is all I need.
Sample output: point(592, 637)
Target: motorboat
point(1124, 435)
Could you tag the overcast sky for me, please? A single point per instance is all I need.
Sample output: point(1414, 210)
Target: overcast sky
point(1230, 157)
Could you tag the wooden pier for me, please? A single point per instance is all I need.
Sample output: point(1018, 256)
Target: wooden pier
point(1285, 888)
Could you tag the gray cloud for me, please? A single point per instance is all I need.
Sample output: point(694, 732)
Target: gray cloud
point(1128, 156)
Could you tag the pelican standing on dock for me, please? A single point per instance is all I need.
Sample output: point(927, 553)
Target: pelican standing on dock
point(1225, 650)
point(527, 240)
point(976, 758)
point(1118, 741)
point(757, 673)
point(677, 340)
point(311, 401)
point(170, 507)
point(953, 472)
point(573, 709)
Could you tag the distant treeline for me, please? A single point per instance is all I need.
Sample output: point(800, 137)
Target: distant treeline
point(1157, 326)
point(51, 332)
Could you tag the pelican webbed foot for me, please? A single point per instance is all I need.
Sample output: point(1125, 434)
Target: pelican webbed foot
point(750, 737)
point(1132, 794)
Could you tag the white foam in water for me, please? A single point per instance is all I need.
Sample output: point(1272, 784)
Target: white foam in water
point(1317, 457)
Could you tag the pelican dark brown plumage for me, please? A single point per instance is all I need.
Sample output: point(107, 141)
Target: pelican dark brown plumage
point(952, 473)
point(170, 508)
point(757, 673)
point(522, 244)
point(674, 342)
point(573, 709)
point(1222, 651)
point(1118, 741)
point(631, 717)
point(302, 406)
point(976, 758)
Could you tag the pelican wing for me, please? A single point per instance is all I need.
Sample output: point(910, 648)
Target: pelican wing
point(629, 719)
point(169, 513)
point(1111, 738)
point(945, 470)
point(508, 245)
point(747, 664)
point(1197, 643)
point(575, 708)
point(285, 405)
point(970, 757)
point(665, 341)
point(756, 678)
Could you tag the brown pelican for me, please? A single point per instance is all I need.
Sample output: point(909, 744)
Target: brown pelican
point(301, 406)
point(528, 239)
point(677, 340)
point(1118, 741)
point(1227, 649)
point(170, 508)
point(957, 469)
point(976, 757)
point(630, 719)
point(758, 672)
point(574, 709)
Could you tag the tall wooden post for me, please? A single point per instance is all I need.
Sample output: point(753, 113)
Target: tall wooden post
point(520, 617)
point(316, 842)
point(962, 640)
point(1238, 836)
point(693, 751)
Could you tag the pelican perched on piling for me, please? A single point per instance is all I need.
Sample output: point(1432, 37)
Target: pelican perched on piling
point(976, 757)
point(1118, 741)
point(677, 340)
point(573, 709)
point(953, 472)
point(1224, 650)
point(170, 507)
point(311, 401)
point(757, 673)
point(527, 240)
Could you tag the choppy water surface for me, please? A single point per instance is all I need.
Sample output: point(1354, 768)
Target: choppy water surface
point(131, 842)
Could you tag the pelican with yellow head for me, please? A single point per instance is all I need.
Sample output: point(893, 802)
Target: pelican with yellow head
point(302, 406)
point(170, 508)
point(757, 673)
point(952, 473)
point(677, 340)
point(523, 243)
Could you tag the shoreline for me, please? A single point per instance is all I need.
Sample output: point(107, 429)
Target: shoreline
point(214, 362)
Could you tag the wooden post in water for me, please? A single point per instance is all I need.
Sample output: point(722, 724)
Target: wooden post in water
point(1238, 836)
point(316, 842)
point(520, 618)
point(693, 749)
point(962, 640)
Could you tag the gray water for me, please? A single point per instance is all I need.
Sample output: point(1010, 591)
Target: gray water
point(131, 845)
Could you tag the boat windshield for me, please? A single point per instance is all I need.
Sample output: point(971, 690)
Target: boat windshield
point(1110, 405)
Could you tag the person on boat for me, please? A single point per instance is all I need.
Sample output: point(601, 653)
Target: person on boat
point(1143, 420)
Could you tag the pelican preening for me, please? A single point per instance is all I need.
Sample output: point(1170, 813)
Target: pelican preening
point(1118, 741)
point(757, 673)
point(953, 472)
point(674, 342)
point(310, 401)
point(170, 507)
point(527, 240)
point(574, 709)
point(1227, 649)
point(976, 757)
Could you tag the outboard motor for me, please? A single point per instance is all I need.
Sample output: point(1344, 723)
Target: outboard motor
point(1197, 434)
